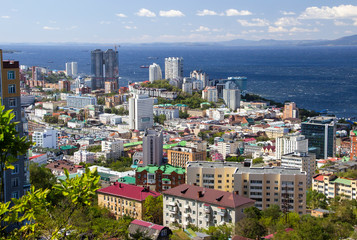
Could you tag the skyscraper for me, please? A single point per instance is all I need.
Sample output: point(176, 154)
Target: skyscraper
point(231, 98)
point(104, 67)
point(71, 69)
point(173, 67)
point(152, 147)
point(17, 181)
point(290, 110)
point(155, 72)
point(141, 114)
point(321, 132)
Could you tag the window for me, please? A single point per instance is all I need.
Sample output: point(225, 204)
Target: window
point(12, 102)
point(16, 169)
point(227, 181)
point(12, 88)
point(14, 182)
point(15, 195)
point(219, 175)
point(10, 75)
point(268, 182)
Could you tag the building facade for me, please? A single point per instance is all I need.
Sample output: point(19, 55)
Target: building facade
point(332, 186)
point(104, 67)
point(210, 94)
point(291, 143)
point(170, 112)
point(152, 147)
point(193, 205)
point(159, 178)
point(321, 133)
point(124, 199)
point(290, 110)
point(48, 138)
point(84, 157)
point(200, 75)
point(141, 114)
point(115, 147)
point(353, 139)
point(173, 67)
point(155, 72)
point(72, 69)
point(231, 98)
point(80, 101)
point(179, 156)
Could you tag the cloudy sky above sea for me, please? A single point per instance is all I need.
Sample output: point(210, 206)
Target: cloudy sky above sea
point(143, 21)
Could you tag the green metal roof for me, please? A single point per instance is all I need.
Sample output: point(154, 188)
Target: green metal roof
point(105, 176)
point(133, 144)
point(166, 179)
point(342, 181)
point(67, 147)
point(167, 169)
point(72, 175)
point(181, 105)
point(168, 146)
point(127, 179)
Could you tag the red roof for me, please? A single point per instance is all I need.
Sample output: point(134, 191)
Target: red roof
point(147, 224)
point(270, 236)
point(319, 178)
point(36, 156)
point(128, 191)
point(249, 140)
point(211, 196)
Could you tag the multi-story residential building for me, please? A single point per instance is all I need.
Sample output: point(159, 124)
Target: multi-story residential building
point(155, 72)
point(353, 139)
point(210, 94)
point(306, 162)
point(152, 147)
point(202, 207)
point(231, 98)
point(332, 186)
point(291, 143)
point(276, 132)
point(266, 185)
point(71, 69)
point(170, 112)
point(84, 157)
point(17, 180)
point(124, 199)
point(273, 185)
point(179, 156)
point(80, 101)
point(110, 87)
point(173, 68)
point(199, 75)
point(215, 175)
point(116, 148)
point(64, 85)
point(290, 110)
point(141, 112)
point(226, 148)
point(159, 178)
point(47, 138)
point(187, 85)
point(321, 132)
point(240, 82)
point(104, 67)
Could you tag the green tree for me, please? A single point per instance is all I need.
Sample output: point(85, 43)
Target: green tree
point(314, 199)
point(41, 177)
point(250, 228)
point(222, 232)
point(183, 115)
point(139, 235)
point(11, 144)
point(258, 160)
point(153, 209)
point(252, 212)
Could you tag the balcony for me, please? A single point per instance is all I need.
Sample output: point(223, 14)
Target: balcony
point(172, 219)
point(207, 210)
point(186, 215)
point(222, 212)
point(207, 218)
point(172, 209)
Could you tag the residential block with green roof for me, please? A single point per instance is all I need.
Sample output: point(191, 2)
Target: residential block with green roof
point(331, 186)
point(160, 178)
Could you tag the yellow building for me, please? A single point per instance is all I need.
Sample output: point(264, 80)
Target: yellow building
point(178, 156)
point(124, 199)
point(331, 186)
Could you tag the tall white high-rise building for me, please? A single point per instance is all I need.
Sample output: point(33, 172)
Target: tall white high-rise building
point(155, 72)
point(199, 75)
point(173, 67)
point(141, 115)
point(152, 147)
point(72, 69)
point(232, 98)
point(291, 143)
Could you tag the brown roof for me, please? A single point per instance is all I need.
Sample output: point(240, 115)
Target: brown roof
point(241, 238)
point(210, 196)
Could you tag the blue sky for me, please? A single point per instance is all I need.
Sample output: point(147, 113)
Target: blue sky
point(141, 21)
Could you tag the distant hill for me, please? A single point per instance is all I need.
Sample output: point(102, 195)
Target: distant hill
point(344, 41)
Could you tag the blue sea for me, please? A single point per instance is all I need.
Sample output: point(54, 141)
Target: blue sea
point(316, 78)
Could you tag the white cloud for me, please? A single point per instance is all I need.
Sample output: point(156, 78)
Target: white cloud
point(5, 17)
point(145, 13)
point(130, 27)
point(287, 21)
point(235, 12)
point(256, 22)
point(277, 29)
point(72, 27)
point(50, 28)
point(325, 12)
point(287, 13)
point(355, 22)
point(340, 23)
point(202, 29)
point(206, 12)
point(295, 29)
point(121, 15)
point(171, 13)
point(105, 22)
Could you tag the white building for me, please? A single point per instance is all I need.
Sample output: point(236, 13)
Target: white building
point(105, 118)
point(152, 147)
point(210, 94)
point(231, 98)
point(226, 148)
point(48, 138)
point(173, 68)
point(187, 85)
point(169, 112)
point(116, 148)
point(141, 114)
point(80, 101)
point(155, 72)
point(72, 69)
point(291, 143)
point(199, 75)
point(215, 114)
point(202, 207)
point(84, 156)
point(40, 159)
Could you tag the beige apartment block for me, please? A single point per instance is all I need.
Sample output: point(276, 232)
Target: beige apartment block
point(202, 207)
point(331, 186)
point(178, 156)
